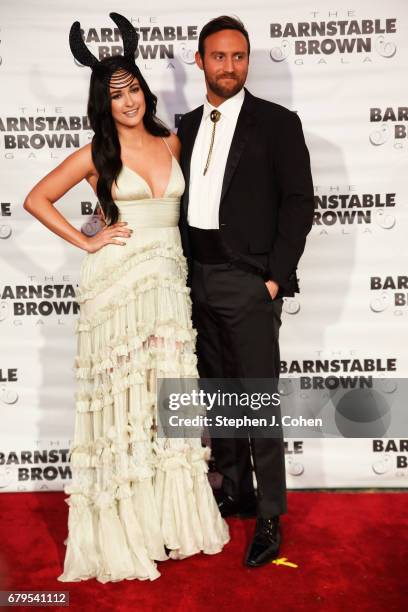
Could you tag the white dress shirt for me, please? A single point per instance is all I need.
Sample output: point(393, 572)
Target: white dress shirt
point(205, 191)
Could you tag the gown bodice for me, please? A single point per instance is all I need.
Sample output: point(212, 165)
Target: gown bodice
point(136, 203)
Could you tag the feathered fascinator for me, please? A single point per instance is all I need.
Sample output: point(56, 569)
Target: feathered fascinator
point(121, 69)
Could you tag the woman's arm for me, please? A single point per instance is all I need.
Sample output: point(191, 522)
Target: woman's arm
point(40, 202)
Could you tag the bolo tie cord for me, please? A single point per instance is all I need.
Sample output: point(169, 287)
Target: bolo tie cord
point(215, 117)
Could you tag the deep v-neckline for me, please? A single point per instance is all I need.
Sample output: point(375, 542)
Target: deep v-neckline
point(147, 184)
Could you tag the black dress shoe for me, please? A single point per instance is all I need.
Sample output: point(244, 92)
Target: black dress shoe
point(228, 506)
point(266, 542)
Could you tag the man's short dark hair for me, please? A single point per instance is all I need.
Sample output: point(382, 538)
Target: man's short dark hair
point(221, 23)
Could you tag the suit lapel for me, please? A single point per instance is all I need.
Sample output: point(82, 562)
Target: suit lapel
point(242, 131)
point(187, 151)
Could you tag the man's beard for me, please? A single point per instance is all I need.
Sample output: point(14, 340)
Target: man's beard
point(226, 91)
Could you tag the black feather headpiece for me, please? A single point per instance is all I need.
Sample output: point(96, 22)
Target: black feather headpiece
point(120, 64)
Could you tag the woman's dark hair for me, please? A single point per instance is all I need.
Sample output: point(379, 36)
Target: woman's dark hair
point(221, 23)
point(105, 142)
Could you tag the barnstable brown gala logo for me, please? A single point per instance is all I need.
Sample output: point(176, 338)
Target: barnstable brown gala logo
point(350, 208)
point(389, 293)
point(348, 371)
point(390, 455)
point(156, 42)
point(390, 125)
point(39, 300)
point(39, 132)
point(38, 465)
point(348, 365)
point(334, 34)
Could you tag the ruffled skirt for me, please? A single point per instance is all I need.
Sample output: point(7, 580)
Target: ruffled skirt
point(134, 498)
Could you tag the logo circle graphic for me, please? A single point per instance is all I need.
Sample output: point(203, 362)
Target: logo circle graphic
point(187, 54)
point(4, 311)
point(295, 468)
point(78, 64)
point(92, 227)
point(385, 220)
point(386, 385)
point(291, 306)
point(279, 54)
point(362, 412)
point(6, 477)
point(8, 396)
point(380, 303)
point(380, 136)
point(384, 48)
point(5, 232)
point(382, 466)
point(285, 387)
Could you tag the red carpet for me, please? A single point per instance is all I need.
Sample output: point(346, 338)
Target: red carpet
point(350, 548)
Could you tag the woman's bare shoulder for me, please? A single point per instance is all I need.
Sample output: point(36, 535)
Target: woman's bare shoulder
point(83, 158)
point(174, 143)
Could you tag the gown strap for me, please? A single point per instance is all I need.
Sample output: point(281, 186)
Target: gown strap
point(168, 146)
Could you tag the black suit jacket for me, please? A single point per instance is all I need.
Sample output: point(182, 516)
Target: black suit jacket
point(267, 204)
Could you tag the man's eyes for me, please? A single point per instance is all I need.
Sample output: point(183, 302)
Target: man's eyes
point(238, 56)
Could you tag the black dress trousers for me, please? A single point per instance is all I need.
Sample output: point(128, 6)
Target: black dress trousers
point(238, 337)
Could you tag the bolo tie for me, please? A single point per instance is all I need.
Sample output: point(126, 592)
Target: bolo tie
point(215, 117)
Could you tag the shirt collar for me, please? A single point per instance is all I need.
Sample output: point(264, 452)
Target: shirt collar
point(230, 108)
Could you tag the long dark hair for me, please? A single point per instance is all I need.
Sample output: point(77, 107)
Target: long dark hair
point(105, 142)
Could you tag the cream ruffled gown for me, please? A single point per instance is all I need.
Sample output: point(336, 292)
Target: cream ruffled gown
point(133, 493)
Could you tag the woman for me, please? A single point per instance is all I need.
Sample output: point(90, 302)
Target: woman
point(135, 498)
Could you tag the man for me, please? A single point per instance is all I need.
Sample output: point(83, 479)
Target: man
point(246, 211)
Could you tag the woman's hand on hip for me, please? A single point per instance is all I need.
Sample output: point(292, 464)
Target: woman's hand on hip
point(108, 235)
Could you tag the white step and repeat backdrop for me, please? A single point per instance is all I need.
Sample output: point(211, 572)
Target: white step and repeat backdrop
point(344, 70)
